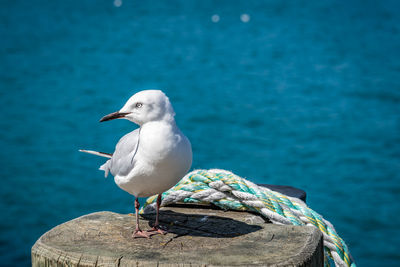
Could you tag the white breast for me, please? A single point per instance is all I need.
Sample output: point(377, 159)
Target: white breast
point(163, 157)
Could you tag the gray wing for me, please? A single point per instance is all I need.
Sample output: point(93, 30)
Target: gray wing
point(122, 161)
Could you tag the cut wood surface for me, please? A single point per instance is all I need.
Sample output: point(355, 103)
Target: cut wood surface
point(197, 237)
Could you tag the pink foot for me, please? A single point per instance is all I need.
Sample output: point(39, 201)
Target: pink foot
point(158, 229)
point(141, 234)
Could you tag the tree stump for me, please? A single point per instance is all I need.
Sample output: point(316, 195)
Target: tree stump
point(197, 237)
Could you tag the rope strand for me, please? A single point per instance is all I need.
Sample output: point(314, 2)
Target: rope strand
point(229, 191)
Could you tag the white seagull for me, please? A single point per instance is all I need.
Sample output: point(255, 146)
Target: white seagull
point(152, 158)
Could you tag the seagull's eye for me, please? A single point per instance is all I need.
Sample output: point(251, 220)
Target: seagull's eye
point(138, 105)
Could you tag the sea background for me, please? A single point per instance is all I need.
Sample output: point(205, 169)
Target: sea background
point(300, 93)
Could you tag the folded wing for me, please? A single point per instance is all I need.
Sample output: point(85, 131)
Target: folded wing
point(122, 160)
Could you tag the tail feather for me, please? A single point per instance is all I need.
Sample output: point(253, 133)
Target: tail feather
point(101, 154)
point(105, 168)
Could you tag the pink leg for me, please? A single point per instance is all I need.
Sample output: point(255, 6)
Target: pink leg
point(157, 227)
point(138, 232)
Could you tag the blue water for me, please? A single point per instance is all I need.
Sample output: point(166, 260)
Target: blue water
point(306, 93)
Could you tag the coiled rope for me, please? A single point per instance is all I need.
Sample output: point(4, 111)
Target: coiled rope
point(229, 191)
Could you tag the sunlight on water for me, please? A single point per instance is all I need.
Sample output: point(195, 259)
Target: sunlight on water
point(302, 93)
point(215, 18)
point(245, 18)
point(117, 3)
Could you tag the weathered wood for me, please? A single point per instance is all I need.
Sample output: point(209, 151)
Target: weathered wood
point(197, 237)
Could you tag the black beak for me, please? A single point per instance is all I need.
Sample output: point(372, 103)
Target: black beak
point(114, 115)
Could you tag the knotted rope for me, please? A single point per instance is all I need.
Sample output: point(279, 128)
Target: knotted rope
point(229, 191)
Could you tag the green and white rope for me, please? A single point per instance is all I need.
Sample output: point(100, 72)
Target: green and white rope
point(229, 191)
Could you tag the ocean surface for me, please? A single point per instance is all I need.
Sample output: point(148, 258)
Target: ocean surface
point(300, 93)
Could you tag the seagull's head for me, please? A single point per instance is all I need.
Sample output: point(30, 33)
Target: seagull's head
point(145, 106)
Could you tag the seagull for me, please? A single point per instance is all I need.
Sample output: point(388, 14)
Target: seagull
point(152, 158)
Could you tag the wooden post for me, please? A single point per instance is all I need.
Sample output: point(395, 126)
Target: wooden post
point(198, 237)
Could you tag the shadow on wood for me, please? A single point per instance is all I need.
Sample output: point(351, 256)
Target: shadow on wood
point(203, 225)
